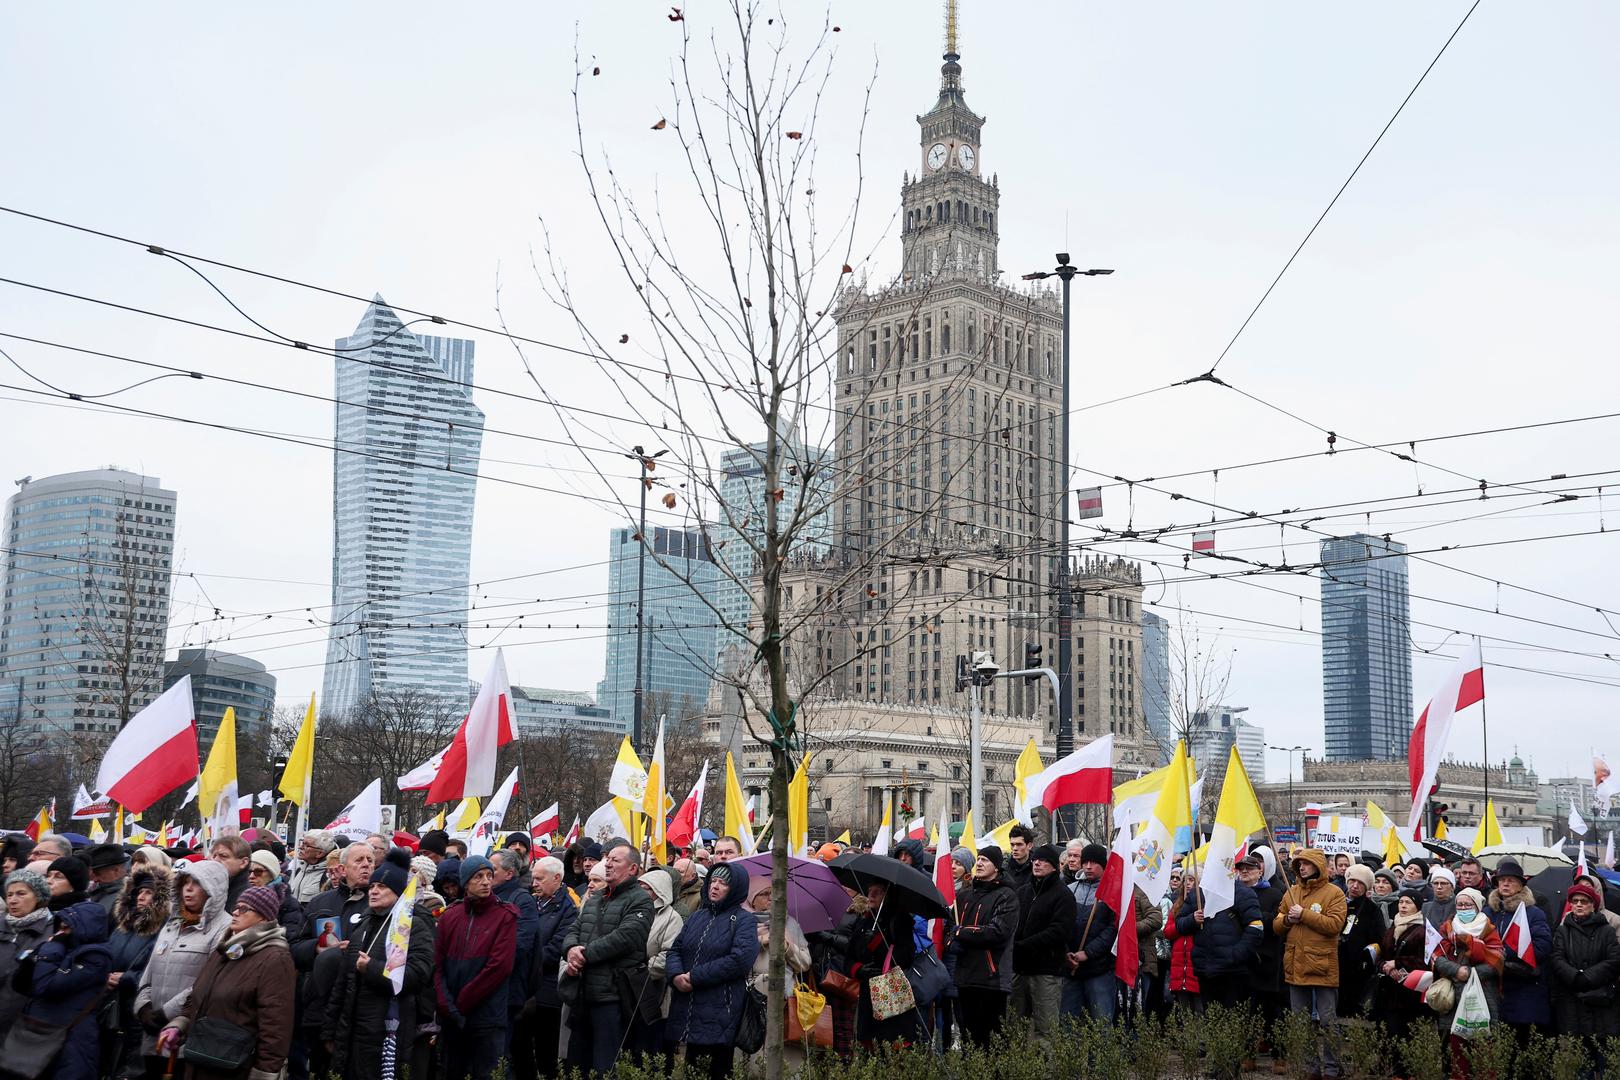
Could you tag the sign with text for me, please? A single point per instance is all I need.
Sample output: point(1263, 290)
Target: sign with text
point(1343, 839)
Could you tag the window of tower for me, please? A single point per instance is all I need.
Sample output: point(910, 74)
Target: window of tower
point(945, 337)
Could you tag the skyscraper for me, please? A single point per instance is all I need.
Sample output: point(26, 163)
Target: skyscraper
point(86, 600)
point(742, 491)
point(1366, 649)
point(404, 475)
point(220, 681)
point(679, 632)
point(1156, 680)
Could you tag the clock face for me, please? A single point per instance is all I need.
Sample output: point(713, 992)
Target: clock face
point(936, 156)
point(964, 154)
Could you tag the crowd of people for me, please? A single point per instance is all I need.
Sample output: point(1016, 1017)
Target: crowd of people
point(238, 961)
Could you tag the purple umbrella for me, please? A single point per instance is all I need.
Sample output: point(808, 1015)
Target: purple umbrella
point(814, 896)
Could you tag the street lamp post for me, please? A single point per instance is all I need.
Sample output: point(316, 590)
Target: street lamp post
point(647, 464)
point(1291, 751)
point(1065, 272)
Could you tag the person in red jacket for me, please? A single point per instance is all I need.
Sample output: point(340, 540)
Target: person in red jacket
point(472, 960)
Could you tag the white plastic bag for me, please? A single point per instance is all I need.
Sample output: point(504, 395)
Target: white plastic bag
point(1473, 1011)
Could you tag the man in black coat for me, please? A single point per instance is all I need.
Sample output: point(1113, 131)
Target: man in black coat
point(1267, 968)
point(1359, 941)
point(986, 921)
point(510, 888)
point(541, 1020)
point(318, 949)
point(1015, 871)
point(107, 871)
point(1046, 932)
point(1091, 988)
point(1225, 943)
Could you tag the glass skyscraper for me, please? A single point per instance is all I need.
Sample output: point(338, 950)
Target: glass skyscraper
point(1366, 649)
point(404, 474)
point(742, 490)
point(1156, 681)
point(679, 637)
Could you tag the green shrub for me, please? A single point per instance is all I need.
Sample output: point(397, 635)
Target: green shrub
point(1569, 1060)
point(1294, 1037)
point(1148, 1057)
point(1493, 1054)
point(1367, 1050)
point(1423, 1054)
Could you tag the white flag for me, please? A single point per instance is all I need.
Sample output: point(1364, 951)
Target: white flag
point(363, 815)
point(1576, 826)
point(484, 831)
point(1431, 939)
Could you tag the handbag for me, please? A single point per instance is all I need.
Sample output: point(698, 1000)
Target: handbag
point(891, 991)
point(32, 1045)
point(641, 997)
point(751, 1025)
point(807, 1014)
point(216, 1043)
point(928, 977)
point(837, 984)
point(1441, 996)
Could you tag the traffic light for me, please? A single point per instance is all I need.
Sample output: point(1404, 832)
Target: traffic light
point(963, 678)
point(1032, 659)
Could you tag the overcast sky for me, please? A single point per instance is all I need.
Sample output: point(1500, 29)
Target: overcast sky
point(1464, 281)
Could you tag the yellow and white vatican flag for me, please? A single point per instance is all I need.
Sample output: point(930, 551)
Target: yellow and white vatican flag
point(1168, 831)
point(1236, 819)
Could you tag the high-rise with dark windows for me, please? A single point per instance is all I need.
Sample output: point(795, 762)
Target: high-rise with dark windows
point(1366, 649)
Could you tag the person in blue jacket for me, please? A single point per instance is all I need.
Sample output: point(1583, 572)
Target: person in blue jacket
point(1526, 996)
point(708, 969)
point(1226, 944)
point(66, 976)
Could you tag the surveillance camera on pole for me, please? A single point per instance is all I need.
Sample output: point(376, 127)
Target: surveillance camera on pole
point(984, 667)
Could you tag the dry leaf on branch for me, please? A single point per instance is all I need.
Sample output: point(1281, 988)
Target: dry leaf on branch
point(675, 15)
point(596, 71)
point(669, 500)
point(776, 494)
point(660, 125)
point(795, 134)
point(624, 339)
point(848, 269)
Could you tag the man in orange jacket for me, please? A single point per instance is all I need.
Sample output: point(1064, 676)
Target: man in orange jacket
point(1309, 920)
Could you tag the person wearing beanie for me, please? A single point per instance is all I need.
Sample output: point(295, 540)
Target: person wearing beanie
point(962, 870)
point(1469, 946)
point(447, 881)
point(1360, 942)
point(1089, 988)
point(248, 981)
point(474, 951)
point(1403, 952)
point(66, 976)
point(152, 856)
point(69, 880)
point(329, 919)
point(28, 925)
point(435, 844)
point(265, 870)
point(1585, 959)
point(1309, 919)
point(1526, 988)
point(356, 1018)
point(1443, 887)
point(182, 947)
point(986, 921)
point(1045, 935)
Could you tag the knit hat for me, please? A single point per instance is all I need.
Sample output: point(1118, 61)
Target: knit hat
point(469, 866)
point(1363, 874)
point(993, 853)
point(1578, 889)
point(449, 870)
point(1094, 853)
point(262, 900)
point(425, 869)
point(1421, 864)
point(1440, 873)
point(33, 879)
point(1479, 901)
point(1510, 868)
point(591, 850)
point(393, 872)
point(1046, 853)
point(964, 856)
point(268, 861)
point(521, 838)
point(1413, 893)
point(1389, 875)
point(435, 841)
point(74, 869)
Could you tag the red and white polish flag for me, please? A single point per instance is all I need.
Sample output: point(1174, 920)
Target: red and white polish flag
point(1517, 937)
point(154, 754)
point(683, 828)
point(1088, 503)
point(86, 807)
point(546, 821)
point(1085, 776)
point(1462, 689)
point(466, 768)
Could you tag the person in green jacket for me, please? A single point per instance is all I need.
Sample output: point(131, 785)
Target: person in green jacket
point(609, 936)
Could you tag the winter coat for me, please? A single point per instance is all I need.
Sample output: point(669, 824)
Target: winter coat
point(1439, 911)
point(18, 936)
point(666, 927)
point(1183, 976)
point(239, 883)
point(1360, 943)
point(1093, 934)
point(556, 918)
point(528, 928)
point(64, 977)
point(472, 963)
point(1268, 961)
point(1046, 928)
point(796, 954)
point(986, 931)
point(871, 941)
point(1311, 946)
point(1405, 950)
point(360, 1001)
point(306, 882)
point(1016, 874)
point(1585, 968)
point(249, 980)
point(349, 906)
point(135, 931)
point(182, 948)
point(690, 898)
point(1526, 993)
point(1482, 954)
point(1149, 920)
point(291, 914)
point(717, 947)
point(1228, 941)
point(612, 927)
point(106, 894)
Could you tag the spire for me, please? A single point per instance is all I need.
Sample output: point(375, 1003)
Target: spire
point(950, 73)
point(950, 30)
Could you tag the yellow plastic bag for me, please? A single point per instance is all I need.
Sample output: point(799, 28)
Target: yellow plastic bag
point(810, 1004)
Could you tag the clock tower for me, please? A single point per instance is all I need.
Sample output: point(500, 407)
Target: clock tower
point(949, 208)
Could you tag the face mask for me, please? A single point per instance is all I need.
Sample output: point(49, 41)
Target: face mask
point(1467, 916)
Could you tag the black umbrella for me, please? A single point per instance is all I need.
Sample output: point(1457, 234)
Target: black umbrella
point(910, 889)
point(1552, 885)
point(1448, 850)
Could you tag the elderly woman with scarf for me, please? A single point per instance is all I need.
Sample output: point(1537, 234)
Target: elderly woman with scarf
point(64, 979)
point(708, 968)
point(1398, 1005)
point(139, 913)
point(1585, 970)
point(27, 927)
point(1469, 945)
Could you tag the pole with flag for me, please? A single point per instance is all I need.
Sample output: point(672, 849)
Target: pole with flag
point(1462, 688)
point(216, 786)
point(300, 770)
point(684, 830)
point(397, 953)
point(1237, 817)
point(737, 809)
point(653, 800)
point(944, 880)
point(799, 809)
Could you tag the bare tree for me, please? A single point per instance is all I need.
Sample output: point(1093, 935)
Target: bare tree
point(387, 734)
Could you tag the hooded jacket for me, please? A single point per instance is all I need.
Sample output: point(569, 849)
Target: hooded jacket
point(181, 948)
point(986, 931)
point(666, 927)
point(1228, 941)
point(1046, 928)
point(1526, 996)
point(62, 977)
point(249, 980)
point(1311, 946)
point(359, 1002)
point(473, 956)
point(716, 948)
point(1585, 967)
point(612, 928)
point(135, 931)
point(556, 914)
